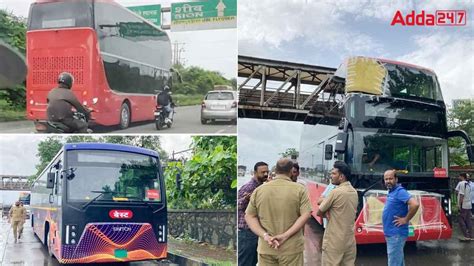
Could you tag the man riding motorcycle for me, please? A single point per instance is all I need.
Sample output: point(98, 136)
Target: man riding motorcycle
point(164, 99)
point(60, 102)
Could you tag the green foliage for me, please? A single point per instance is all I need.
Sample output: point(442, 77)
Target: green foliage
point(197, 81)
point(207, 177)
point(461, 117)
point(290, 153)
point(13, 32)
point(47, 149)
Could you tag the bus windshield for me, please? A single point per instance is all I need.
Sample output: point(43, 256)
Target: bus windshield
point(113, 175)
point(375, 152)
point(67, 14)
point(409, 82)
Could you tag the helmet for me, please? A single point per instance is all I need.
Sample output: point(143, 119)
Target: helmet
point(166, 88)
point(66, 79)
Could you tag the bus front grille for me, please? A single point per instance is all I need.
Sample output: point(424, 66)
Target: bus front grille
point(45, 70)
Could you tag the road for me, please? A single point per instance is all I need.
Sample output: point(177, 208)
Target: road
point(186, 120)
point(433, 252)
point(30, 251)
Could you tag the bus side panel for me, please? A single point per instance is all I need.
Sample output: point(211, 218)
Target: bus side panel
point(315, 190)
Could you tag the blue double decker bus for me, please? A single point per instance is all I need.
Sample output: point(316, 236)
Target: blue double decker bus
point(97, 202)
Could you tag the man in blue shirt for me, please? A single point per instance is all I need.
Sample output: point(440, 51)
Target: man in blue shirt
point(399, 208)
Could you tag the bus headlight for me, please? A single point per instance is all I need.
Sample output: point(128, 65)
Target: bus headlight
point(84, 103)
point(161, 233)
point(32, 102)
point(95, 100)
point(71, 234)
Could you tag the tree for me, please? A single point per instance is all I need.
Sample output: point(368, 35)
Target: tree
point(460, 117)
point(47, 149)
point(13, 32)
point(207, 178)
point(290, 153)
point(196, 80)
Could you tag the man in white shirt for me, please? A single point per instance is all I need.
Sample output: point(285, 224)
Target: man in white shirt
point(464, 204)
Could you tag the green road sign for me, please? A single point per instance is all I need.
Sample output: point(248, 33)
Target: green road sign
point(210, 14)
point(151, 13)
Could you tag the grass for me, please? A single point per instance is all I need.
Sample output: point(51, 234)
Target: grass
point(7, 113)
point(184, 100)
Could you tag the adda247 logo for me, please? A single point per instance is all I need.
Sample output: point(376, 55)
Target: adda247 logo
point(439, 18)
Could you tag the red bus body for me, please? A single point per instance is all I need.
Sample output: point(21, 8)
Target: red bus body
point(373, 233)
point(77, 50)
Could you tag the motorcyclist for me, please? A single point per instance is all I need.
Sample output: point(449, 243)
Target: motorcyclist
point(60, 102)
point(165, 100)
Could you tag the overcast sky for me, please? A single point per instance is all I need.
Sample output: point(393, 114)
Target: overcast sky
point(325, 32)
point(214, 50)
point(18, 152)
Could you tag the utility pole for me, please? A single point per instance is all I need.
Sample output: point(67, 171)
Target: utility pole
point(178, 51)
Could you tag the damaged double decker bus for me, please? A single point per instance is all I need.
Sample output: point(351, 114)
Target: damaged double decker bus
point(98, 202)
point(383, 115)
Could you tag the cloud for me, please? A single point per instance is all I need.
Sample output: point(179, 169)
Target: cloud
point(451, 56)
point(18, 154)
point(263, 140)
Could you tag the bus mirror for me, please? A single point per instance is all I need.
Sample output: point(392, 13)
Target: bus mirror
point(470, 152)
point(328, 152)
point(50, 181)
point(341, 142)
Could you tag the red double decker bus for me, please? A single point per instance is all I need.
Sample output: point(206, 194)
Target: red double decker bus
point(391, 116)
point(118, 59)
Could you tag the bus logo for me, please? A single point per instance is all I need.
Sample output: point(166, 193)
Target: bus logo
point(121, 214)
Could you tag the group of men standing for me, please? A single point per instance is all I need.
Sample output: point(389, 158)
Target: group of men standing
point(274, 215)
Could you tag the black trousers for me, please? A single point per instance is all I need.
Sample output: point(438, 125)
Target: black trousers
point(247, 246)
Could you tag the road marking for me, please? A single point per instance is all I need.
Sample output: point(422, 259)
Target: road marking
point(220, 131)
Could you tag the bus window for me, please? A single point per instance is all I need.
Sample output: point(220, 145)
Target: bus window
point(117, 175)
point(61, 15)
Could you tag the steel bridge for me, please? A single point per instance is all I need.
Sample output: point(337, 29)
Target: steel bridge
point(280, 90)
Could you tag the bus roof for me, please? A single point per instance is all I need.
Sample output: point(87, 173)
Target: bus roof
point(110, 147)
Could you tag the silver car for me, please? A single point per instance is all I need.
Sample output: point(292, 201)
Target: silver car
point(219, 104)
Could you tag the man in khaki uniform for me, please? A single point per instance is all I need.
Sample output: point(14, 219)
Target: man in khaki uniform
point(339, 246)
point(17, 216)
point(277, 213)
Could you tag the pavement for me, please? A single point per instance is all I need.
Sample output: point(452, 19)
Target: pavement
point(31, 252)
point(442, 252)
point(186, 120)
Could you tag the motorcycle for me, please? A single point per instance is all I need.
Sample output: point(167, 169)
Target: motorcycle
point(58, 127)
point(161, 117)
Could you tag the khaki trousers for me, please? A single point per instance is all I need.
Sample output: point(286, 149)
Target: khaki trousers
point(339, 257)
point(17, 227)
point(281, 260)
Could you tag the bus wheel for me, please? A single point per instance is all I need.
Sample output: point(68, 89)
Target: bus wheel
point(124, 116)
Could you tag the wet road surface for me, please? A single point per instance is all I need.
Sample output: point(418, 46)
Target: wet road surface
point(432, 253)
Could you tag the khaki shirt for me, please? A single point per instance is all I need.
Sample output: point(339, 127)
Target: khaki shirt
point(341, 204)
point(278, 204)
point(17, 213)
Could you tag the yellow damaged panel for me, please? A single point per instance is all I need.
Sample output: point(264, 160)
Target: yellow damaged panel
point(365, 75)
point(119, 199)
point(375, 209)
